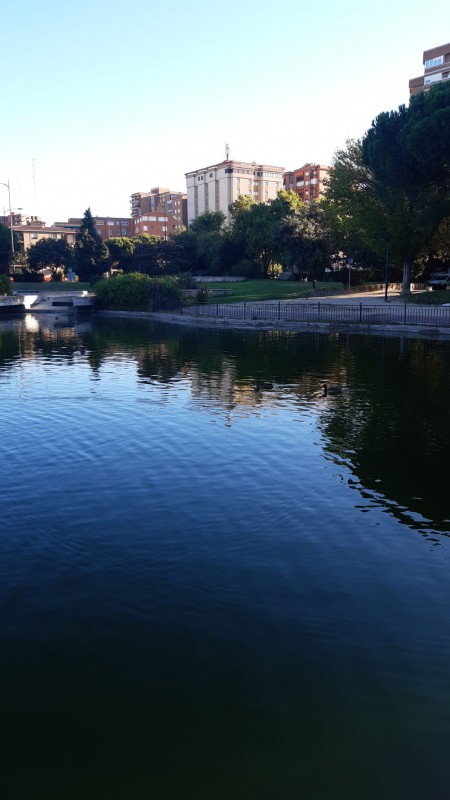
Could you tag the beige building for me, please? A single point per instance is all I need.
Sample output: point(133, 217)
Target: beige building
point(33, 232)
point(436, 69)
point(215, 188)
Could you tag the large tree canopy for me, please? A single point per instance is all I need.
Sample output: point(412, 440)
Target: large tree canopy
point(54, 253)
point(408, 154)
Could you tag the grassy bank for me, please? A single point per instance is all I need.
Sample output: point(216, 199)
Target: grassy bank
point(436, 298)
point(254, 291)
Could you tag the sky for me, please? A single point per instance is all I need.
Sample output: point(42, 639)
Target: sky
point(103, 99)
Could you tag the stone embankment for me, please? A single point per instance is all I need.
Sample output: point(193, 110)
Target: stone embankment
point(437, 324)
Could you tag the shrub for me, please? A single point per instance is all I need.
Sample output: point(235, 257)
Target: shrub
point(202, 295)
point(5, 285)
point(135, 292)
point(245, 269)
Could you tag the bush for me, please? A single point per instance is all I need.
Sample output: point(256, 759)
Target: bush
point(202, 295)
point(135, 292)
point(186, 281)
point(245, 269)
point(5, 285)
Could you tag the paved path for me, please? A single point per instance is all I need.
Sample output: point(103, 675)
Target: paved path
point(366, 298)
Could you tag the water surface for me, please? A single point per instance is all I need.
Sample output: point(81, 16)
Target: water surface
point(209, 591)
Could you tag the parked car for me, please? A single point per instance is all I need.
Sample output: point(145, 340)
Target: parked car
point(440, 280)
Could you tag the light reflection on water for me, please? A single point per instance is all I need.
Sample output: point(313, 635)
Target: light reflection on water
point(212, 591)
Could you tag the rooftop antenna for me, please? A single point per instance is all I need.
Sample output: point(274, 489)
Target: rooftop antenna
point(34, 185)
point(227, 152)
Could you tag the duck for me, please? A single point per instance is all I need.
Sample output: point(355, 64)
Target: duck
point(79, 352)
point(262, 385)
point(333, 390)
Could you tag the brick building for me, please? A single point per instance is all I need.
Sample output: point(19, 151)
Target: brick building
point(107, 227)
point(436, 69)
point(307, 181)
point(158, 212)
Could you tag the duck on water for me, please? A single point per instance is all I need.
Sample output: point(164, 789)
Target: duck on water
point(331, 390)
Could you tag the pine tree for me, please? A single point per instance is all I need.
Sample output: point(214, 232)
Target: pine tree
point(89, 251)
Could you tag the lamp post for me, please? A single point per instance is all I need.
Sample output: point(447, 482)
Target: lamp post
point(386, 271)
point(349, 262)
point(10, 215)
point(163, 201)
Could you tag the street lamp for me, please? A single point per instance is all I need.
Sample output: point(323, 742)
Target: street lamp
point(386, 274)
point(162, 202)
point(10, 215)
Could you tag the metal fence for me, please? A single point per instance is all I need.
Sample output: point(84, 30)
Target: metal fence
point(404, 313)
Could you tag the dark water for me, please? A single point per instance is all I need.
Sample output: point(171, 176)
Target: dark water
point(210, 592)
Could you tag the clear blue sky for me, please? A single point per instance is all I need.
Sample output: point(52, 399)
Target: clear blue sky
point(102, 99)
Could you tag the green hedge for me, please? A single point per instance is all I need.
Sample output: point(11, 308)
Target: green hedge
point(5, 285)
point(135, 292)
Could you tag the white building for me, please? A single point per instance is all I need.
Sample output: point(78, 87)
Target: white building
point(215, 188)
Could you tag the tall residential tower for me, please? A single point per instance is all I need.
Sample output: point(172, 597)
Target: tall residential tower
point(436, 68)
point(214, 188)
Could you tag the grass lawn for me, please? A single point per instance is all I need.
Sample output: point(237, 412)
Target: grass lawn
point(436, 298)
point(253, 291)
point(50, 286)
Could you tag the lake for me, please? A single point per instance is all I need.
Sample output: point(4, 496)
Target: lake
point(212, 591)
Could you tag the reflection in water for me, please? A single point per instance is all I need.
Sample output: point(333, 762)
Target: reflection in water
point(390, 427)
point(210, 591)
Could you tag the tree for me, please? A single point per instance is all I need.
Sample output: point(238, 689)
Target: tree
point(408, 154)
point(357, 220)
point(54, 253)
point(202, 244)
point(5, 248)
point(90, 254)
point(120, 252)
point(255, 227)
point(304, 241)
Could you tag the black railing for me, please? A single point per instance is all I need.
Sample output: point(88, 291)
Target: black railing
point(398, 313)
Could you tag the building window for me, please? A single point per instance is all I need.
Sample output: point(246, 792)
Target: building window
point(434, 62)
point(34, 235)
point(433, 78)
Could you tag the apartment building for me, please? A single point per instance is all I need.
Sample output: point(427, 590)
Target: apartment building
point(170, 204)
point(107, 227)
point(35, 231)
point(436, 69)
point(214, 188)
point(307, 181)
point(158, 222)
point(18, 218)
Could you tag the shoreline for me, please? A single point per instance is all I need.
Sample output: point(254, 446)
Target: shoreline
point(431, 332)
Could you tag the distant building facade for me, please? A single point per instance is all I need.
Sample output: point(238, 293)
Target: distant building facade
point(214, 188)
point(34, 231)
point(158, 212)
point(436, 69)
point(107, 227)
point(18, 218)
point(307, 181)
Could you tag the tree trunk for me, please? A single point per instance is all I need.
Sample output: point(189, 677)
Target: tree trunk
point(406, 286)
